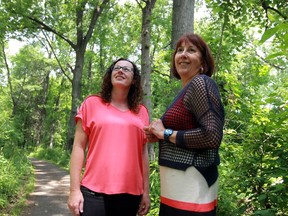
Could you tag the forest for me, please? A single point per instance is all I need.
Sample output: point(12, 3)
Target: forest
point(66, 47)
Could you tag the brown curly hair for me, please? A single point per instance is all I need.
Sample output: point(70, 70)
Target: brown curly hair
point(135, 94)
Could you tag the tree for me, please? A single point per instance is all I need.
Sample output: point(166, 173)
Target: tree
point(182, 19)
point(145, 57)
point(55, 17)
point(13, 99)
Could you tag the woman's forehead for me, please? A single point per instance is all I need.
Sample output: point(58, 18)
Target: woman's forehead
point(124, 63)
point(186, 43)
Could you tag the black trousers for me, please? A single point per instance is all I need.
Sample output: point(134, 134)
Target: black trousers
point(93, 203)
point(109, 205)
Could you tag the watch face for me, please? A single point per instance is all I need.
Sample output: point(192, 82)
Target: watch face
point(168, 132)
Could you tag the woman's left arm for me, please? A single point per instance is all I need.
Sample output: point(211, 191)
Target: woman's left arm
point(204, 103)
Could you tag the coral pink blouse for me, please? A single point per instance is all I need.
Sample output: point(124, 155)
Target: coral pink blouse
point(116, 140)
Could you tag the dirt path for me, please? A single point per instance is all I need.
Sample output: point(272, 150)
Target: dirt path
point(51, 191)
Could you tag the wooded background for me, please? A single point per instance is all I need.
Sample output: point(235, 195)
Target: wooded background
point(69, 44)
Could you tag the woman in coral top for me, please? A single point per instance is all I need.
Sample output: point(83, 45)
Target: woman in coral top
point(109, 135)
point(189, 134)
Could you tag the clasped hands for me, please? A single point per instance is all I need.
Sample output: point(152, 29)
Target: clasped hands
point(154, 131)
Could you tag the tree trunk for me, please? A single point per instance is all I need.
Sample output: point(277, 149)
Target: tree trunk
point(76, 94)
point(9, 78)
point(182, 19)
point(146, 60)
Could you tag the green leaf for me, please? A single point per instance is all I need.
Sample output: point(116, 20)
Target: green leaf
point(262, 197)
point(268, 34)
point(274, 55)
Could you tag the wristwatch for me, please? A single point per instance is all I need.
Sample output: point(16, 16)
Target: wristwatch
point(167, 133)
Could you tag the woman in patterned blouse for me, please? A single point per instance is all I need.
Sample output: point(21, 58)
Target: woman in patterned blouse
point(189, 134)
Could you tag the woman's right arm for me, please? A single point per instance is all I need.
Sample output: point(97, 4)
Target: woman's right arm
point(75, 200)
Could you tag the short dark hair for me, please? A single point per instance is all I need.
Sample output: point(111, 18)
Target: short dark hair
point(207, 58)
point(135, 94)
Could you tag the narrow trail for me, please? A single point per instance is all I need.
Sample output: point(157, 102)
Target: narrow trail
point(51, 191)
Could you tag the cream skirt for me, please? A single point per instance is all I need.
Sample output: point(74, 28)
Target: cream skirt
point(187, 190)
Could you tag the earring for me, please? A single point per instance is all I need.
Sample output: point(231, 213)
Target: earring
point(201, 70)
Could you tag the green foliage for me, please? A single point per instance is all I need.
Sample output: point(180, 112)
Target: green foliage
point(253, 171)
point(163, 92)
point(15, 171)
point(154, 188)
point(269, 15)
point(56, 155)
point(9, 134)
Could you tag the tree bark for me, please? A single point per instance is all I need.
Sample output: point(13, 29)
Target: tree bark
point(76, 94)
point(182, 19)
point(146, 59)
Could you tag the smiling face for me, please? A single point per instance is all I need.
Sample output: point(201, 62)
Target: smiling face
point(122, 74)
point(188, 61)
point(198, 49)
